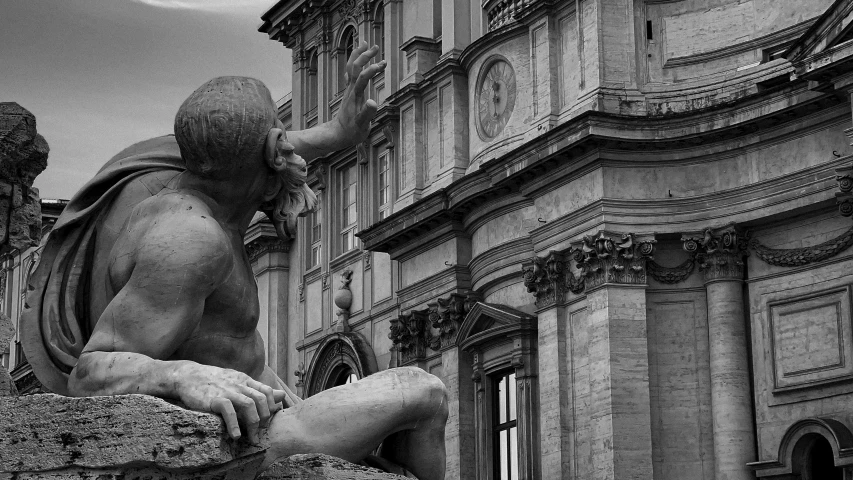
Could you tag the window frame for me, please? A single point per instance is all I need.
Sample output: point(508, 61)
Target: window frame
point(510, 425)
point(383, 209)
point(345, 225)
point(346, 45)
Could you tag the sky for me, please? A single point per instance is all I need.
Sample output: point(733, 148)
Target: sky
point(100, 75)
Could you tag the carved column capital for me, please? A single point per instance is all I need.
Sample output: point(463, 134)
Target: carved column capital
point(720, 252)
point(549, 278)
point(446, 315)
point(614, 258)
point(266, 244)
point(410, 335)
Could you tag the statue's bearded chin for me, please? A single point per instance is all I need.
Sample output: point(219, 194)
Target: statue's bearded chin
point(293, 199)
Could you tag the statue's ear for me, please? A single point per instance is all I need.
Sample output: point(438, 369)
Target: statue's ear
point(271, 156)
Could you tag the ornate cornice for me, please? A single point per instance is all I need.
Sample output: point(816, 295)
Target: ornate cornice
point(602, 259)
point(548, 279)
point(720, 252)
point(446, 315)
point(263, 245)
point(410, 334)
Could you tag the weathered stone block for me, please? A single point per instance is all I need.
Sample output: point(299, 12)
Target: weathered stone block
point(51, 436)
point(7, 331)
point(316, 466)
point(23, 155)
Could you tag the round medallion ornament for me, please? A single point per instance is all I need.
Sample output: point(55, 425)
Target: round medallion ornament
point(496, 92)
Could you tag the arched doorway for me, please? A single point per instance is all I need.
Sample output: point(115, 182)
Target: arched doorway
point(341, 358)
point(819, 463)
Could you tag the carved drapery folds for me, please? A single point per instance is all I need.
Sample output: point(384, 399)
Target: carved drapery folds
point(720, 252)
point(446, 315)
point(602, 259)
point(549, 279)
point(410, 334)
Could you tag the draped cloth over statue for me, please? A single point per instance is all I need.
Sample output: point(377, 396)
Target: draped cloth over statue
point(56, 322)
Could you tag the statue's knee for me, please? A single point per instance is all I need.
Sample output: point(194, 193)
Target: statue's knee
point(430, 392)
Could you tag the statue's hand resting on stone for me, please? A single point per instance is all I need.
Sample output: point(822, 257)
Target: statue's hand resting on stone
point(234, 395)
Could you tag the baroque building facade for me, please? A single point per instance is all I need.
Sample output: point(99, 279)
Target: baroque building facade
point(611, 227)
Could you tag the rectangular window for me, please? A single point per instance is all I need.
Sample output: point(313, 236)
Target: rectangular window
point(384, 185)
point(315, 222)
point(505, 427)
point(349, 206)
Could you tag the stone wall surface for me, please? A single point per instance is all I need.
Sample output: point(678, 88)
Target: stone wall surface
point(23, 155)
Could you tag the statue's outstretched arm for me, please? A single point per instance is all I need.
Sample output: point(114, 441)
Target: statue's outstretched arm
point(176, 264)
point(351, 124)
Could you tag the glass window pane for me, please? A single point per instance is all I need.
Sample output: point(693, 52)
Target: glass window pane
point(512, 389)
point(513, 453)
point(502, 400)
point(351, 214)
point(502, 452)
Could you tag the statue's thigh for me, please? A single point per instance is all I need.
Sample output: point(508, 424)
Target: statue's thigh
point(351, 420)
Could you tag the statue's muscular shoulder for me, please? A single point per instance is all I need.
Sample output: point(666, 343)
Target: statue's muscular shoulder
point(167, 231)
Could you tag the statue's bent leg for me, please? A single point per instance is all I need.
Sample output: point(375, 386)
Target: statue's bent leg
point(407, 406)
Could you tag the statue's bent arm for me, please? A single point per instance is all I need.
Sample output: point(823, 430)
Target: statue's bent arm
point(174, 264)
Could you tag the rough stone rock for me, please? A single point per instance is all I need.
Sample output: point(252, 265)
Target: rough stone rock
point(23, 155)
point(316, 466)
point(7, 331)
point(126, 436)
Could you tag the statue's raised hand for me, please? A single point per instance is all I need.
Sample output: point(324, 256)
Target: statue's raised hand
point(353, 118)
point(240, 399)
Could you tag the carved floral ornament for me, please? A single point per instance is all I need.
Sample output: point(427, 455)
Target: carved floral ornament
point(599, 259)
point(436, 327)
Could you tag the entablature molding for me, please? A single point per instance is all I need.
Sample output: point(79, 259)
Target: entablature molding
point(565, 144)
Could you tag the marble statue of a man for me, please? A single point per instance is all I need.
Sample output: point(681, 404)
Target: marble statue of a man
point(144, 285)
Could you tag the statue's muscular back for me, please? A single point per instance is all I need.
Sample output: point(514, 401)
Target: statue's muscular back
point(173, 239)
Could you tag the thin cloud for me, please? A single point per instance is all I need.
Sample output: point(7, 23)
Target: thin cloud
point(206, 5)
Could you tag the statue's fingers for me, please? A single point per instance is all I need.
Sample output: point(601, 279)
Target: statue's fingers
point(368, 73)
point(223, 407)
point(367, 113)
point(356, 52)
point(268, 392)
point(247, 412)
point(364, 58)
point(280, 396)
point(261, 406)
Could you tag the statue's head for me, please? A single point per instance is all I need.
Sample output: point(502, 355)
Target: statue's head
point(223, 123)
point(231, 122)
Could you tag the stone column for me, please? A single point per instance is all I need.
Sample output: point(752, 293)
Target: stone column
point(271, 265)
point(550, 279)
point(721, 253)
point(613, 268)
point(446, 315)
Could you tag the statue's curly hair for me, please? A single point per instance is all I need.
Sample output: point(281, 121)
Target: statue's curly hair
point(224, 123)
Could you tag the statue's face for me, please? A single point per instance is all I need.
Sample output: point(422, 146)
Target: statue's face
point(289, 195)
